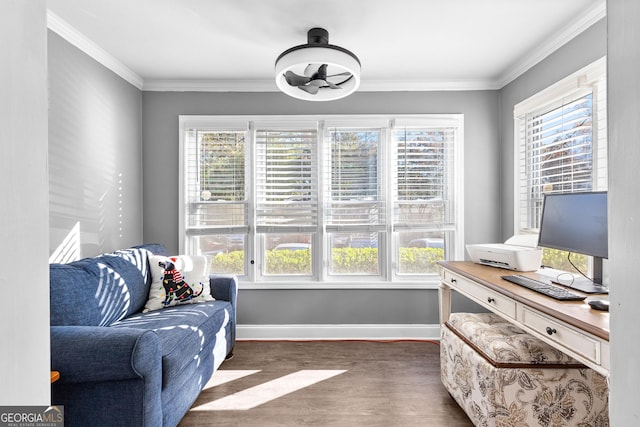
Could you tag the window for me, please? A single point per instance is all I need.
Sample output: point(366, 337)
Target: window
point(216, 202)
point(355, 212)
point(561, 139)
point(423, 211)
point(334, 200)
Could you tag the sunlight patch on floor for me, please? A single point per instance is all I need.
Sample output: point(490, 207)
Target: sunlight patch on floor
point(224, 376)
point(260, 394)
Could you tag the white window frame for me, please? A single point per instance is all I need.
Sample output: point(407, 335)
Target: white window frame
point(591, 78)
point(388, 279)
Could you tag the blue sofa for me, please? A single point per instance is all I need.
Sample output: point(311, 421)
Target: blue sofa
point(122, 367)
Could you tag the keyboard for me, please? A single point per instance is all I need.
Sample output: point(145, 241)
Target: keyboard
point(547, 289)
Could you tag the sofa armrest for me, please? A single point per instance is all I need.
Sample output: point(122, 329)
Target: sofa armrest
point(94, 353)
point(224, 288)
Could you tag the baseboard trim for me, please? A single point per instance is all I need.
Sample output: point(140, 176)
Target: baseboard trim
point(337, 332)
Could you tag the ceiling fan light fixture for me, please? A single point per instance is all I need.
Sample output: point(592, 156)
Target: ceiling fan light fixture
point(317, 71)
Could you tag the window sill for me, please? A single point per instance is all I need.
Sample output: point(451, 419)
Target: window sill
point(430, 283)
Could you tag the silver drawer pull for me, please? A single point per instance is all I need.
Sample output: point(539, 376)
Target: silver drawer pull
point(551, 330)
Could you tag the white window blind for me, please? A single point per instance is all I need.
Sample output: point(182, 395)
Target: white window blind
point(216, 188)
point(354, 200)
point(286, 180)
point(559, 152)
point(424, 178)
point(562, 142)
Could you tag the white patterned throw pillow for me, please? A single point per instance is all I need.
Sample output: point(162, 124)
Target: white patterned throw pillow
point(177, 280)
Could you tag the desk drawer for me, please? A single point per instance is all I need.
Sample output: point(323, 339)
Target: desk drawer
point(481, 294)
point(565, 336)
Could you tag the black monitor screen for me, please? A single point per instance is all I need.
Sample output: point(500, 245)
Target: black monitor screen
point(575, 222)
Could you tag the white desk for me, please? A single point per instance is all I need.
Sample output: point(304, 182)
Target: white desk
point(570, 326)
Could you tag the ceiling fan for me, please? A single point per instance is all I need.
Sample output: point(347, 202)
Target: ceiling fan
point(312, 71)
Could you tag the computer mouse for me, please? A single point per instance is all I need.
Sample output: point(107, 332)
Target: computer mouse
point(599, 304)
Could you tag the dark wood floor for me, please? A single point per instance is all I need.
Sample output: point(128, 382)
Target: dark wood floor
point(384, 384)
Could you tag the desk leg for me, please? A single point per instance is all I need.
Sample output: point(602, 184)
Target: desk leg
point(444, 298)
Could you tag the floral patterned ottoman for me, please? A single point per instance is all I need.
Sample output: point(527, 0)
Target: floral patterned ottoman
point(502, 376)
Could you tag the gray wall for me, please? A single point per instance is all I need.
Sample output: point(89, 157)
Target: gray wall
point(624, 207)
point(482, 197)
point(579, 52)
point(95, 153)
point(24, 284)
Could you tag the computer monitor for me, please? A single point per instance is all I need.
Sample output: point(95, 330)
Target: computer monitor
point(577, 223)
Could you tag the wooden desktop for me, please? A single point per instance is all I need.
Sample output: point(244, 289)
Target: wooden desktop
point(571, 326)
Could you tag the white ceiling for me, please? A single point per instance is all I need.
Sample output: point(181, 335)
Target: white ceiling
point(402, 44)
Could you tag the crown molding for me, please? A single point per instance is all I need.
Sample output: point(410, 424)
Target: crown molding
point(187, 85)
point(209, 85)
point(426, 85)
point(79, 40)
point(555, 42)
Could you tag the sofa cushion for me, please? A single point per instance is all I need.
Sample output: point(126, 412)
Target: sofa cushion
point(178, 280)
point(99, 291)
point(184, 332)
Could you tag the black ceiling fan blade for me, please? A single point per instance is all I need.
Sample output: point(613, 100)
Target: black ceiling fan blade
point(331, 85)
point(312, 89)
point(321, 74)
point(311, 69)
point(294, 79)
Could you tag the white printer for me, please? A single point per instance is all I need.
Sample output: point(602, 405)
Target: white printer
point(517, 253)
